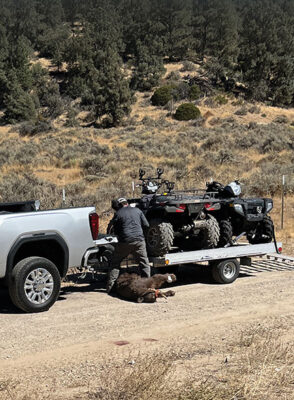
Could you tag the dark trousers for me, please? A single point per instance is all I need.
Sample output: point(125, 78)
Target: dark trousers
point(122, 250)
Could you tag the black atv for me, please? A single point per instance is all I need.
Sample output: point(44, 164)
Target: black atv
point(20, 206)
point(237, 216)
point(176, 218)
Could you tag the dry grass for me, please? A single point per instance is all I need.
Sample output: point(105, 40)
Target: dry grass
point(257, 366)
point(96, 165)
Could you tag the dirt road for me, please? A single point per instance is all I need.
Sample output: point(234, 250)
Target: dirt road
point(66, 346)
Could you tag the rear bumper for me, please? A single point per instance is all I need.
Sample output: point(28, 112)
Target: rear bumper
point(102, 241)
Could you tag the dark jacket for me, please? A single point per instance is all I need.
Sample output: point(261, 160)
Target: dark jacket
point(128, 224)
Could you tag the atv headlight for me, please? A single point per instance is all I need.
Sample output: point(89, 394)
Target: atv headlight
point(269, 206)
point(239, 209)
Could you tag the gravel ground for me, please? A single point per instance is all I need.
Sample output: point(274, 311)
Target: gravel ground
point(65, 347)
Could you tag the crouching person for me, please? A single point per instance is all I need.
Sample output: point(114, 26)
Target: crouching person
point(128, 223)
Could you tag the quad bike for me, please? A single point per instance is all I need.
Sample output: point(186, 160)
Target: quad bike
point(237, 216)
point(176, 218)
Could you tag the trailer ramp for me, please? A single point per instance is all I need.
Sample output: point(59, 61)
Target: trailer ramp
point(269, 263)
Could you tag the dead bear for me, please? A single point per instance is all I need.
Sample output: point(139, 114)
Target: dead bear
point(134, 287)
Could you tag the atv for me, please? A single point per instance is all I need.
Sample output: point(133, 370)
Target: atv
point(176, 218)
point(237, 216)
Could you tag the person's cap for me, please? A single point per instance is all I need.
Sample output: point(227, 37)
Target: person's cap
point(122, 200)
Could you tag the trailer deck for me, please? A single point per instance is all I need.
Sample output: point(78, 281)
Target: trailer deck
point(241, 251)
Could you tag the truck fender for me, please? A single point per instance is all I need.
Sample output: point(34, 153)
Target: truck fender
point(51, 246)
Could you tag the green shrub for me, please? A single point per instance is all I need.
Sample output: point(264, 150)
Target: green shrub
point(187, 111)
point(194, 92)
point(281, 119)
point(93, 165)
point(162, 96)
point(188, 66)
point(220, 100)
point(31, 129)
point(174, 76)
point(254, 110)
point(19, 105)
point(238, 102)
point(181, 91)
point(241, 111)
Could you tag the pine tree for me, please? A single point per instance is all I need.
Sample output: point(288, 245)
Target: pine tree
point(148, 68)
point(176, 17)
point(19, 105)
point(71, 9)
point(3, 60)
point(19, 61)
point(215, 29)
point(114, 97)
point(267, 52)
point(26, 21)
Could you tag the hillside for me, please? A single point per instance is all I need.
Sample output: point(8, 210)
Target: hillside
point(251, 142)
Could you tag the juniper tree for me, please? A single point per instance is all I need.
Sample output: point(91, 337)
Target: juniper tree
point(215, 31)
point(267, 51)
point(175, 15)
point(19, 105)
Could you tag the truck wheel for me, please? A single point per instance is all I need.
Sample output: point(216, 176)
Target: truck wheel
point(264, 232)
point(226, 271)
point(226, 232)
point(159, 237)
point(34, 285)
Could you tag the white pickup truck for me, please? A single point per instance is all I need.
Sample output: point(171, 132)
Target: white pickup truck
point(38, 247)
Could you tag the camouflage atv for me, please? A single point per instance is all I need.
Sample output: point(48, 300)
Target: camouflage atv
point(176, 218)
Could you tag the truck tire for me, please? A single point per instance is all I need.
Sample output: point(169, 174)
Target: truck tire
point(159, 237)
point(35, 284)
point(264, 232)
point(226, 271)
point(226, 232)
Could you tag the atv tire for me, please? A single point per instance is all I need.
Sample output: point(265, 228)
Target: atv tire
point(226, 233)
point(264, 232)
point(159, 237)
point(208, 237)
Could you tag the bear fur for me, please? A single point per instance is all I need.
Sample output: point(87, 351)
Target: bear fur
point(134, 287)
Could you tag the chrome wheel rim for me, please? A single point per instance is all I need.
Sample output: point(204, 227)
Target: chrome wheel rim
point(229, 270)
point(38, 286)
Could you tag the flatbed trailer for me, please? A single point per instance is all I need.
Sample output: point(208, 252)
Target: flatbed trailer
point(224, 262)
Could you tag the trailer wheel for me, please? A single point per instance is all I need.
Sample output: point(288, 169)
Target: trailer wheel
point(34, 285)
point(226, 271)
